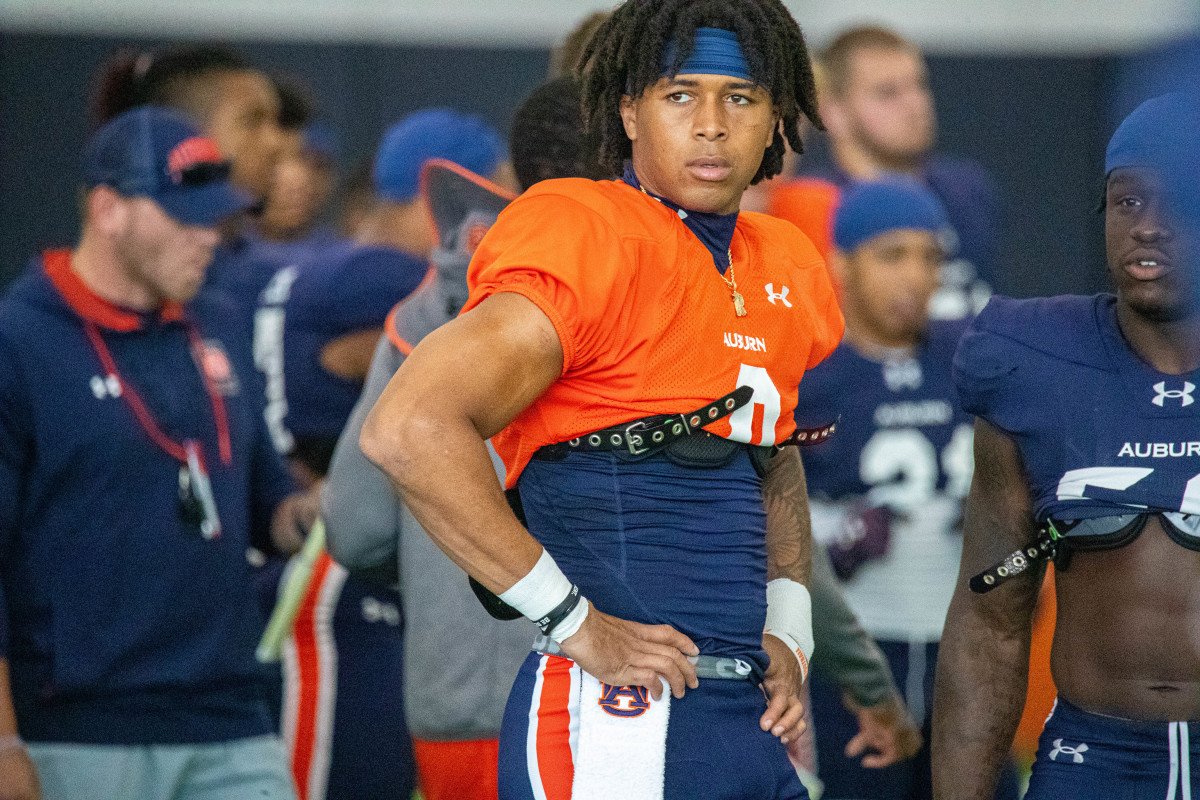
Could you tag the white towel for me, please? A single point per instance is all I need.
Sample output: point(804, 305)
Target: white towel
point(622, 745)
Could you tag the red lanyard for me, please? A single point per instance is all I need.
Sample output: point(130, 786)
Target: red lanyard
point(176, 449)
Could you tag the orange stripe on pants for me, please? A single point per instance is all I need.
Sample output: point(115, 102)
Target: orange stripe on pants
point(556, 765)
point(309, 664)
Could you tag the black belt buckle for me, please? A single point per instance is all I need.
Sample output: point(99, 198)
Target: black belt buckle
point(637, 448)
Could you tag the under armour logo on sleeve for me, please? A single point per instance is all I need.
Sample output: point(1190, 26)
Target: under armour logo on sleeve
point(1076, 753)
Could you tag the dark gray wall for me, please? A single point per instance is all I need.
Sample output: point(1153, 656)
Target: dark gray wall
point(1039, 124)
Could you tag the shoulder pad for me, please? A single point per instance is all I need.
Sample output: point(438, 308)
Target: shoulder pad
point(1009, 336)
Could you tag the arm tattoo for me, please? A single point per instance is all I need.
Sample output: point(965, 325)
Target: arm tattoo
point(789, 529)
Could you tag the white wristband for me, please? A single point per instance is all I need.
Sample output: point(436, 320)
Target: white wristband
point(789, 619)
point(11, 741)
point(540, 591)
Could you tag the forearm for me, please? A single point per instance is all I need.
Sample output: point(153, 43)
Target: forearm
point(979, 695)
point(789, 529)
point(360, 508)
point(844, 651)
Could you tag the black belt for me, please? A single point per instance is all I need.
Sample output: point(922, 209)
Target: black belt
point(650, 435)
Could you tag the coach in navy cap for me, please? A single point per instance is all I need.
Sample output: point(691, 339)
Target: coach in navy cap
point(135, 471)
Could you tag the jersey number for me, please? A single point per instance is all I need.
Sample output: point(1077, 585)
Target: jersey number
point(1074, 484)
point(901, 466)
point(754, 423)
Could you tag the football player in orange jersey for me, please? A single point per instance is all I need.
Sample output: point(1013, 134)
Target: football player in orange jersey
point(632, 349)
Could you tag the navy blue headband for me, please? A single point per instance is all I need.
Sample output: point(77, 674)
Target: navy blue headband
point(1161, 133)
point(895, 203)
point(716, 52)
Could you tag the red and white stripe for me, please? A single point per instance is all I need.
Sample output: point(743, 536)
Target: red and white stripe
point(553, 728)
point(310, 681)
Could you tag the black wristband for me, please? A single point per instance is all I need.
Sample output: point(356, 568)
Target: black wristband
point(560, 612)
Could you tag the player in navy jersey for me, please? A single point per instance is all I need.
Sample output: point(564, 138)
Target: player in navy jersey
point(886, 489)
point(319, 318)
point(1086, 450)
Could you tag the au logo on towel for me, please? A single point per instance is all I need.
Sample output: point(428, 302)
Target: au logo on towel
point(624, 701)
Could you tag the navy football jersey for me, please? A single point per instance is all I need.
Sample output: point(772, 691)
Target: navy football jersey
point(903, 443)
point(1101, 433)
point(342, 289)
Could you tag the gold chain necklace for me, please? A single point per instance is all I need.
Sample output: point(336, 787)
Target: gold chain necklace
point(739, 303)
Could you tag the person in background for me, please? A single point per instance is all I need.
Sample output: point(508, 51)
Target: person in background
point(135, 472)
point(318, 320)
point(236, 105)
point(315, 328)
point(457, 676)
point(887, 488)
point(878, 110)
point(304, 180)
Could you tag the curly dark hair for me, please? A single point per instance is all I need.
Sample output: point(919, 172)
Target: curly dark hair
point(626, 56)
point(548, 140)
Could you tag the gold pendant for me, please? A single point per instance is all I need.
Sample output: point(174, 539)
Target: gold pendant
point(739, 305)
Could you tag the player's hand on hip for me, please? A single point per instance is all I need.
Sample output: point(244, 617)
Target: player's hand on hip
point(623, 653)
point(18, 776)
point(885, 728)
point(784, 717)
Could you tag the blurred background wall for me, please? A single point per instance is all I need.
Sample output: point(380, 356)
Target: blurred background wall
point(1030, 88)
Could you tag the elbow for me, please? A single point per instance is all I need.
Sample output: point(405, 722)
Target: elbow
point(382, 441)
point(396, 441)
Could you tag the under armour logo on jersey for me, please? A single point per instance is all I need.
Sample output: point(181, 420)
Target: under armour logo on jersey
point(772, 295)
point(107, 386)
point(1076, 753)
point(1184, 395)
point(906, 374)
point(624, 701)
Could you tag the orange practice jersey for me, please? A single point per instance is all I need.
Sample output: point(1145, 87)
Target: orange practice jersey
point(646, 321)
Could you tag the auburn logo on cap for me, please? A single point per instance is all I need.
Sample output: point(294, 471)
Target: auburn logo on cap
point(189, 153)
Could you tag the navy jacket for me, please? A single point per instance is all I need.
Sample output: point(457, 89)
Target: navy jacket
point(125, 625)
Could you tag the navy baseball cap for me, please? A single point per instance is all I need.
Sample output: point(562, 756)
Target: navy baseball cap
point(871, 208)
point(464, 139)
point(159, 154)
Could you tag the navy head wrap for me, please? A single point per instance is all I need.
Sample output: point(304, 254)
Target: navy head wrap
point(871, 208)
point(715, 52)
point(1162, 133)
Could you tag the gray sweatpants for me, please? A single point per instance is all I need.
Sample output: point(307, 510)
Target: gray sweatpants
point(244, 769)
